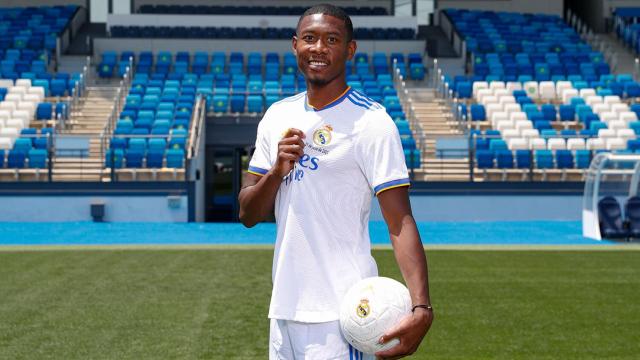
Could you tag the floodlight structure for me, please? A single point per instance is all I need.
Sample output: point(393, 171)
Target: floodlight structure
point(610, 195)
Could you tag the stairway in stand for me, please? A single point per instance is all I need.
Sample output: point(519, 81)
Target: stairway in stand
point(84, 130)
point(437, 122)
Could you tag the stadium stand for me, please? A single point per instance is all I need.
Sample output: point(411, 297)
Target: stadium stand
point(540, 96)
point(249, 10)
point(627, 26)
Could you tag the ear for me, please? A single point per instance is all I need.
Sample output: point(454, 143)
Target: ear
point(351, 49)
point(294, 44)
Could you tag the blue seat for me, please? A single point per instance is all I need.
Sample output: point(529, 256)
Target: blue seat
point(44, 111)
point(58, 87)
point(610, 218)
point(255, 104)
point(37, 158)
point(484, 159)
point(464, 90)
point(497, 144)
point(567, 113)
point(22, 145)
point(583, 159)
point(564, 159)
point(408, 142)
point(16, 159)
point(504, 159)
point(175, 158)
point(544, 159)
point(220, 103)
point(478, 112)
point(523, 159)
point(417, 71)
point(134, 158)
point(237, 103)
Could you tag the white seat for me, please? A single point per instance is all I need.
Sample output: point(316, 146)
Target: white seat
point(24, 83)
point(600, 108)
point(500, 93)
point(606, 133)
point(506, 100)
point(518, 116)
point(492, 108)
point(547, 90)
point(575, 144)
point(619, 107)
point(556, 144)
point(569, 94)
point(478, 85)
point(592, 100)
point(529, 133)
point(615, 144)
point(482, 93)
point(486, 100)
point(510, 134)
point(8, 105)
point(531, 88)
point(585, 93)
point(6, 143)
point(13, 97)
point(34, 98)
point(617, 124)
point(5, 114)
point(561, 86)
point(595, 144)
point(18, 90)
point(22, 115)
point(9, 132)
point(518, 144)
point(6, 83)
point(504, 125)
point(612, 99)
point(494, 85)
point(499, 116)
point(626, 134)
point(537, 144)
point(512, 108)
point(15, 123)
point(513, 86)
point(628, 116)
point(522, 125)
point(37, 90)
point(28, 106)
point(608, 117)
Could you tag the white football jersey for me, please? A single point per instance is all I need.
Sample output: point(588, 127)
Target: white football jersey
point(352, 152)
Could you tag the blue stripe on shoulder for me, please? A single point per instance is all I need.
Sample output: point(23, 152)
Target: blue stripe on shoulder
point(362, 98)
point(358, 103)
point(368, 100)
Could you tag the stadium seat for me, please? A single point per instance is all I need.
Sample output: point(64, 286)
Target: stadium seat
point(632, 216)
point(610, 219)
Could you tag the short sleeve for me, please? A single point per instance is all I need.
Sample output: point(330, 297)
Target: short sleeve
point(381, 155)
point(260, 161)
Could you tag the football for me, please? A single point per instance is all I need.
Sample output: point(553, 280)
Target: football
point(371, 307)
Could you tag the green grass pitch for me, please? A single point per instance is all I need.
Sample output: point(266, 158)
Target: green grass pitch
point(212, 304)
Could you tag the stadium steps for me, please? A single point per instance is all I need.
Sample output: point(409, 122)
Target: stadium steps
point(624, 57)
point(436, 120)
point(87, 120)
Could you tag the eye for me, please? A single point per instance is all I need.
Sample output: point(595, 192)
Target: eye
point(332, 39)
point(307, 38)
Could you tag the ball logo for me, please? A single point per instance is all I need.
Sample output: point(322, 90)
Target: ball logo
point(322, 136)
point(363, 310)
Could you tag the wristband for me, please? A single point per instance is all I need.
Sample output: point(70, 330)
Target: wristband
point(426, 307)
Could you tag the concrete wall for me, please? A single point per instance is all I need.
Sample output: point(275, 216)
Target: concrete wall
point(279, 46)
point(22, 3)
point(526, 6)
point(129, 208)
point(492, 208)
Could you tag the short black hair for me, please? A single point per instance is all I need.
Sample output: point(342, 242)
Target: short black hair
point(331, 10)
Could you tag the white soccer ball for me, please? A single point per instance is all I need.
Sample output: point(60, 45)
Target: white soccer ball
point(371, 307)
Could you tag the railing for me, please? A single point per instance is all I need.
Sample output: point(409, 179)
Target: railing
point(196, 134)
point(407, 106)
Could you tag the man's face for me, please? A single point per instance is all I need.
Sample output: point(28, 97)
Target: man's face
point(322, 48)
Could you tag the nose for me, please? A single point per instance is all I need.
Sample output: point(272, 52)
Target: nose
point(319, 46)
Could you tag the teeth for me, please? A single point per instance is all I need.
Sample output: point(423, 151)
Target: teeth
point(318, 63)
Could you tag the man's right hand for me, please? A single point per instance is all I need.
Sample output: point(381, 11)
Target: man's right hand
point(290, 150)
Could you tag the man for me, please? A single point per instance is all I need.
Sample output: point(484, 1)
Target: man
point(320, 157)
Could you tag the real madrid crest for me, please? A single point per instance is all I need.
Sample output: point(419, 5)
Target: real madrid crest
point(363, 310)
point(322, 136)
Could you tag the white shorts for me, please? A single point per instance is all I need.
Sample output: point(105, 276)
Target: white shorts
point(291, 340)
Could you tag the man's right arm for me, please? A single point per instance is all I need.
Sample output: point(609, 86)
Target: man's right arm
point(258, 195)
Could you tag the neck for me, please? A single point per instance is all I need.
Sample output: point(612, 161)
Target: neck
point(320, 96)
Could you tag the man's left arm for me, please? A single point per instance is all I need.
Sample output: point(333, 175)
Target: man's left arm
point(412, 261)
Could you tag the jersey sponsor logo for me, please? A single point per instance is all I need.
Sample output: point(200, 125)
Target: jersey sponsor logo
point(306, 162)
point(322, 136)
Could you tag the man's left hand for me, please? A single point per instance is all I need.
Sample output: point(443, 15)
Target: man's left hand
point(410, 331)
